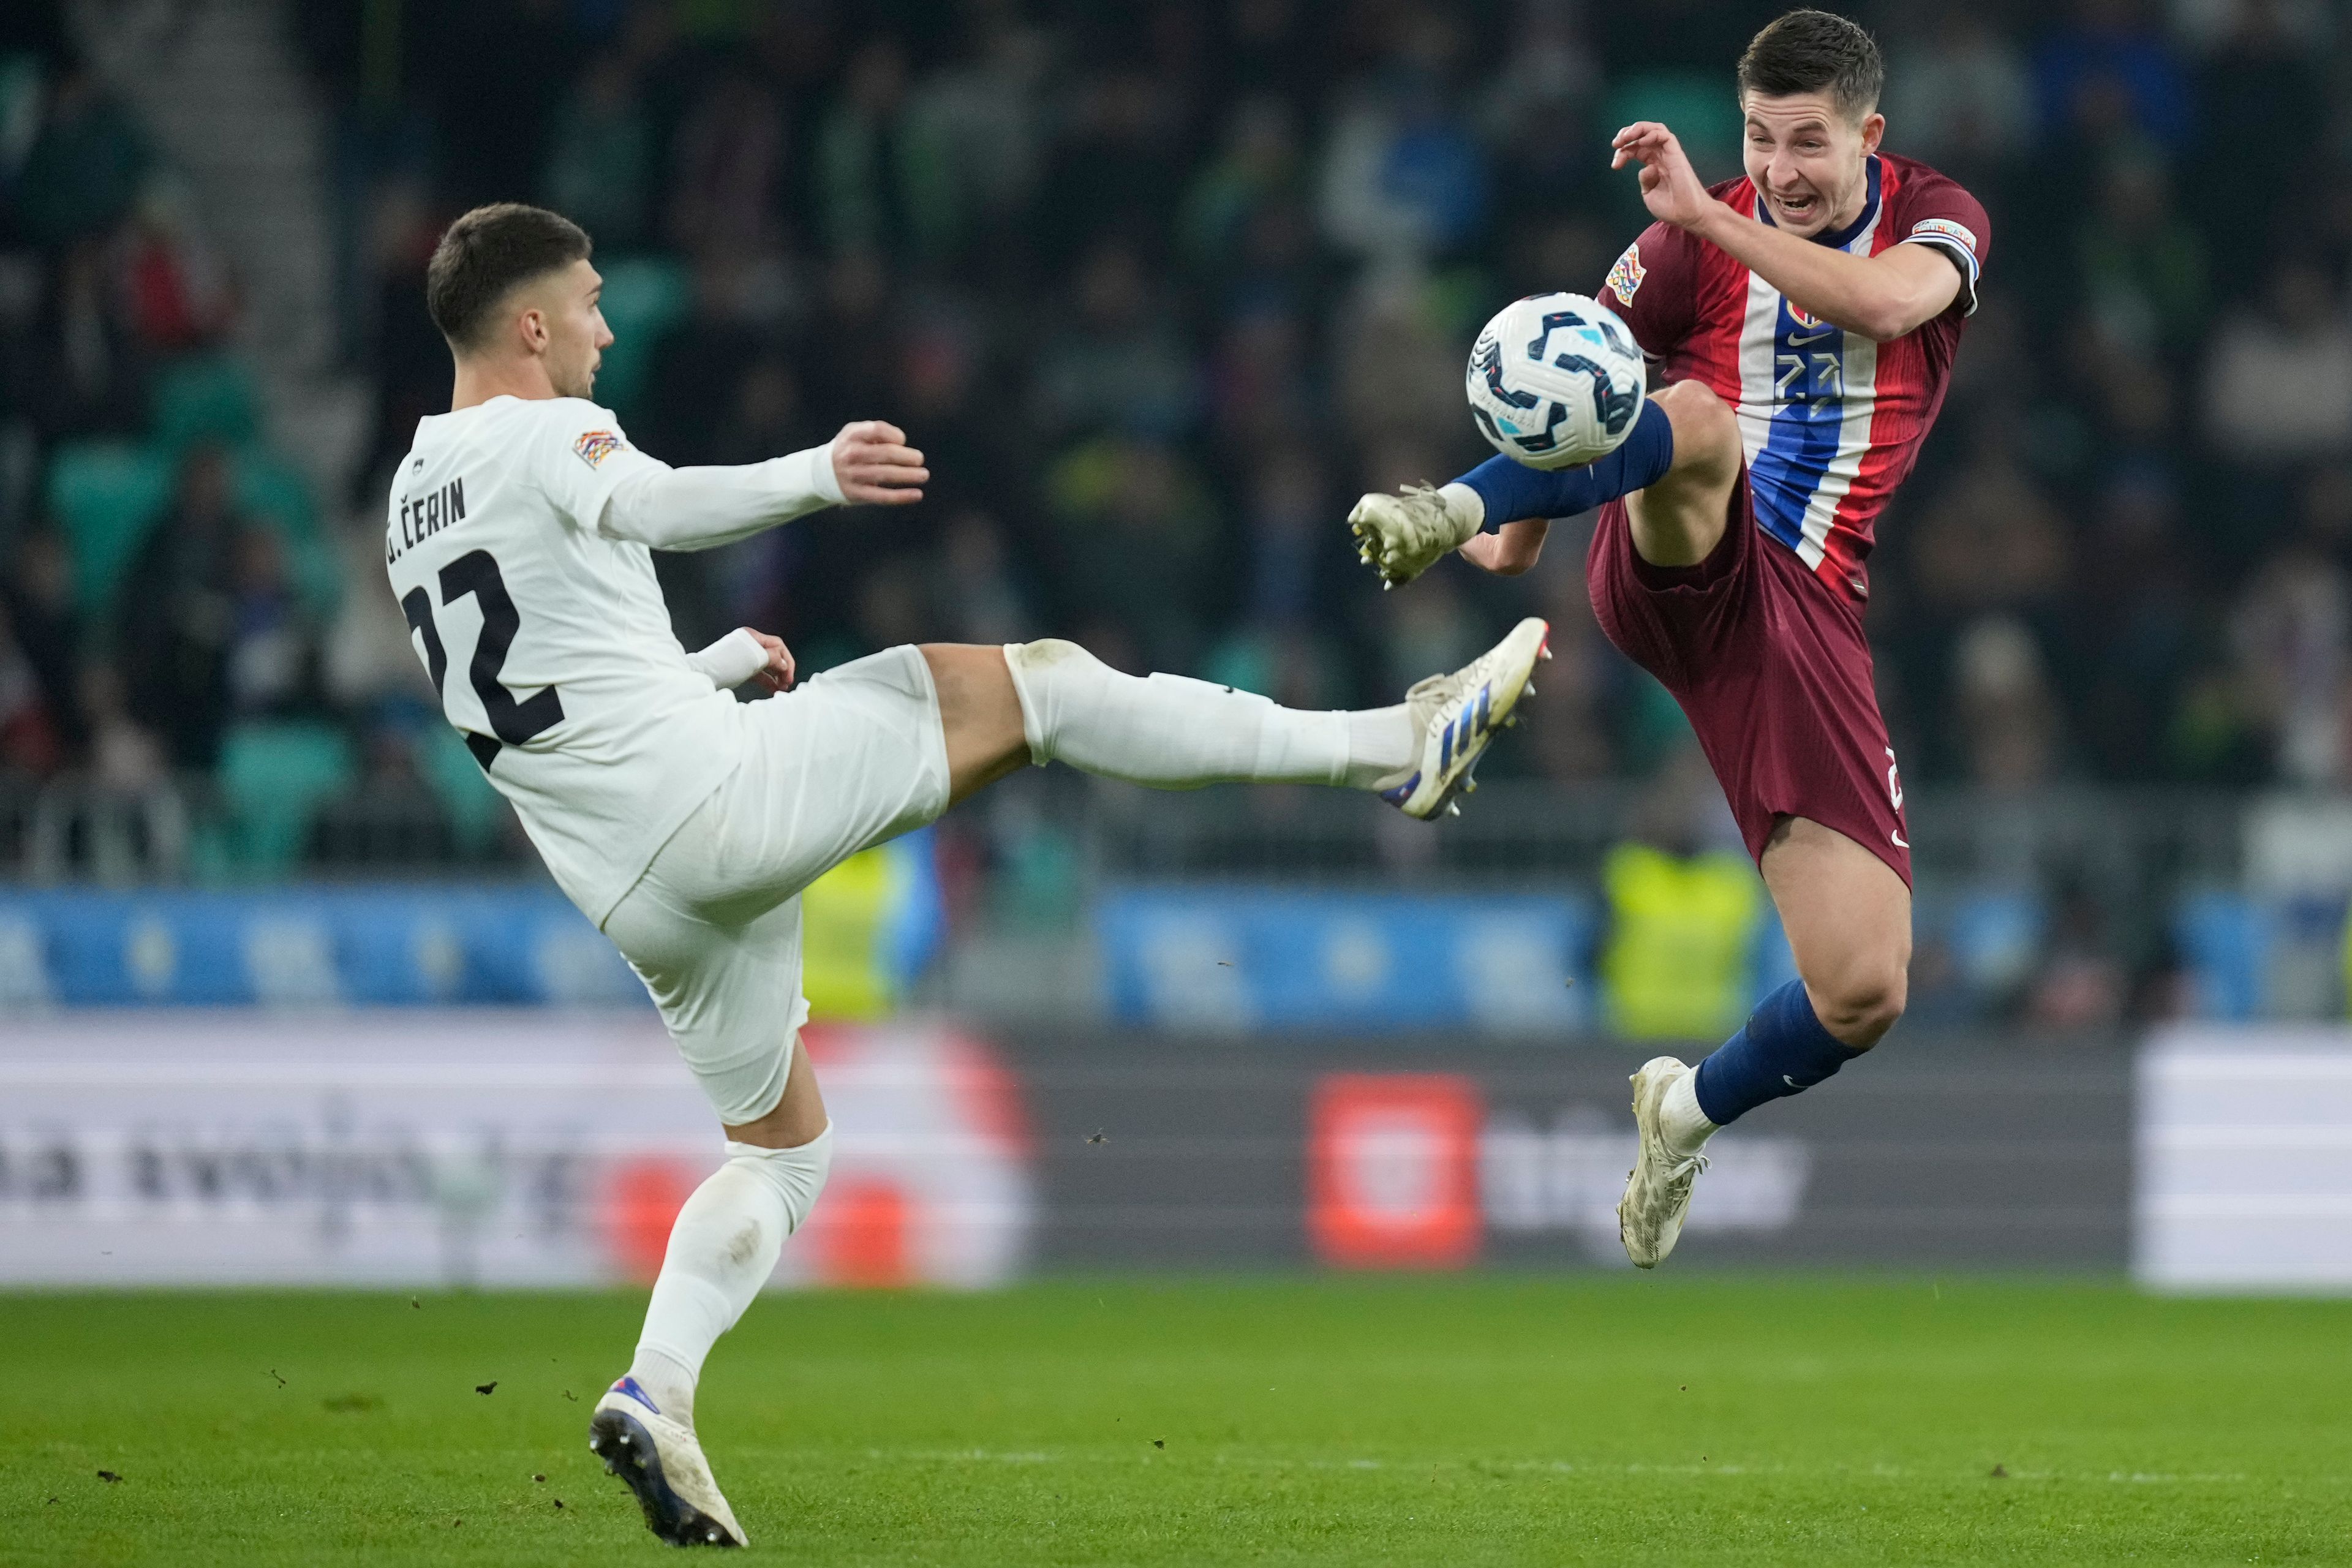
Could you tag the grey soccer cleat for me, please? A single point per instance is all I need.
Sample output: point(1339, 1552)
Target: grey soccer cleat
point(658, 1459)
point(1455, 717)
point(1658, 1188)
point(1402, 535)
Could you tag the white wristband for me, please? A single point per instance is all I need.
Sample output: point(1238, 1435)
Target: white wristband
point(732, 660)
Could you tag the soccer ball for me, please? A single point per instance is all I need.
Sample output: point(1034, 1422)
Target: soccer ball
point(1555, 381)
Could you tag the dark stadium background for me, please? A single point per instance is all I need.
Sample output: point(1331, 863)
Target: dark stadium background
point(1159, 289)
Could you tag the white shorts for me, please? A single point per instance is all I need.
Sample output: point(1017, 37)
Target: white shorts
point(852, 758)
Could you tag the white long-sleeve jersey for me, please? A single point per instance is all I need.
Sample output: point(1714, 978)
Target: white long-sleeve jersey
point(518, 541)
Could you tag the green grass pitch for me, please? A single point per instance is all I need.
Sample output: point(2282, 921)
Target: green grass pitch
point(1690, 1419)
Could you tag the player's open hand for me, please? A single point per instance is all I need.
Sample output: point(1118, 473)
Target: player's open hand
point(874, 465)
point(776, 675)
point(1671, 188)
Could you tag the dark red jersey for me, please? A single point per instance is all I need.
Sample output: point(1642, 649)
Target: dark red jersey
point(1830, 421)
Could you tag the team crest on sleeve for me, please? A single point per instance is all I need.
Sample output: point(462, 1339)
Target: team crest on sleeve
point(1625, 278)
point(1945, 228)
point(597, 445)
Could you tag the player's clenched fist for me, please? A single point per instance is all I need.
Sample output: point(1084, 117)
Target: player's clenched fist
point(874, 465)
point(1401, 536)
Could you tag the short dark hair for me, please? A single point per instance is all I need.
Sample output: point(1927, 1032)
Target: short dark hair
point(1814, 51)
point(485, 254)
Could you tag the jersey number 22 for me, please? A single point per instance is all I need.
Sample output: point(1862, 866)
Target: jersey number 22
point(511, 722)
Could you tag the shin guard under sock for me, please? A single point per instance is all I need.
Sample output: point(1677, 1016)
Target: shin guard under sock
point(1783, 1050)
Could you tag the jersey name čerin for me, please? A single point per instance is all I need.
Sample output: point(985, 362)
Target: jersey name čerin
point(421, 517)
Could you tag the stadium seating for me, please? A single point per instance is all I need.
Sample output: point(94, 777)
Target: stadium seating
point(642, 296)
point(211, 397)
point(274, 776)
point(1705, 118)
point(273, 491)
point(105, 496)
point(474, 805)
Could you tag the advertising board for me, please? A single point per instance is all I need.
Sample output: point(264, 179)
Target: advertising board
point(530, 1147)
point(1197, 1150)
point(2243, 1155)
point(477, 1147)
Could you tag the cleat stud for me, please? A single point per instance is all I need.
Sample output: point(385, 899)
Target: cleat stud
point(1453, 808)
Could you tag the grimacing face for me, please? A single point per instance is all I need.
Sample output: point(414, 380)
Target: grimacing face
point(571, 335)
point(1808, 160)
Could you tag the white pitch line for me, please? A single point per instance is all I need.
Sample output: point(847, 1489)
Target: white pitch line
point(1550, 1466)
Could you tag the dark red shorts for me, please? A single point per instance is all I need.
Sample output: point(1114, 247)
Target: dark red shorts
point(1771, 667)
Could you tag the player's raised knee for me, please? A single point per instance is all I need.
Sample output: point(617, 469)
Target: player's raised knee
point(1706, 433)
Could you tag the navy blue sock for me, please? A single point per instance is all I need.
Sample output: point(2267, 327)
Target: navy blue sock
point(1513, 491)
point(1783, 1050)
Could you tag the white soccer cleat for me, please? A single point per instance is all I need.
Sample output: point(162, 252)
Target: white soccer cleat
point(1402, 535)
point(1658, 1188)
point(657, 1458)
point(1454, 717)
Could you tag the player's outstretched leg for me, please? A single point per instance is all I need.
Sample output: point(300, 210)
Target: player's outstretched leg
point(722, 1248)
point(1173, 733)
point(1848, 920)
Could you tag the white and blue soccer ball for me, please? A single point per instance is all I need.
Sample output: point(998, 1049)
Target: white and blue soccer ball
point(1555, 381)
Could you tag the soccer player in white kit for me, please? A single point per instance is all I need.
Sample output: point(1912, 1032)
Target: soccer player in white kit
point(684, 823)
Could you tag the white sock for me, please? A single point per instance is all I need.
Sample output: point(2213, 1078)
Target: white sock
point(1379, 742)
point(1171, 731)
point(722, 1250)
point(1686, 1126)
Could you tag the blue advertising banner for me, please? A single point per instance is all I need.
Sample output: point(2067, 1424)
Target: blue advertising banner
point(1234, 959)
point(304, 946)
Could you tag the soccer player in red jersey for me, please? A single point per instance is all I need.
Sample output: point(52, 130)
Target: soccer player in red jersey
point(1803, 321)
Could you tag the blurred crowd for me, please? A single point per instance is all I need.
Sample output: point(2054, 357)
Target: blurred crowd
point(1159, 288)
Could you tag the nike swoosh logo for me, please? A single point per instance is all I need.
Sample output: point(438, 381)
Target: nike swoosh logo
point(1798, 340)
point(1899, 842)
point(1792, 1083)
